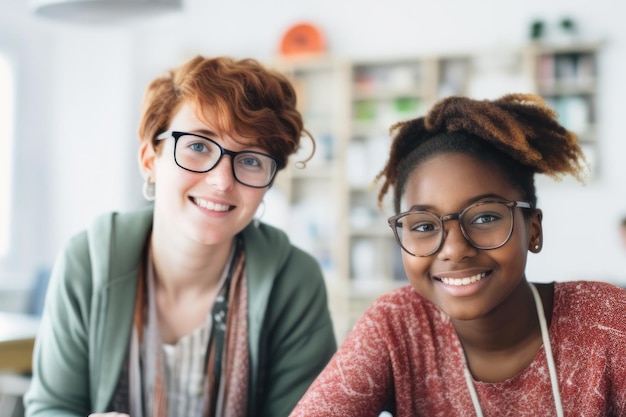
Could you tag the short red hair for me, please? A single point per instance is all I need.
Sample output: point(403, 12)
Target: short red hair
point(249, 100)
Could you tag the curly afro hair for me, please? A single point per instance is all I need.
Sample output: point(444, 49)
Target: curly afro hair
point(518, 132)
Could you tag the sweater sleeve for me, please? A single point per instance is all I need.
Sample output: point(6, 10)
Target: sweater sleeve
point(357, 382)
point(60, 381)
point(298, 333)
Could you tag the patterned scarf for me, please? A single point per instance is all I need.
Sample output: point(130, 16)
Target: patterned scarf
point(226, 360)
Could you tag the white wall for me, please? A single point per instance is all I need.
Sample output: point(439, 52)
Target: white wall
point(79, 90)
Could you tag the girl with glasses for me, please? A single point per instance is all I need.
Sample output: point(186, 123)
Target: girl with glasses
point(190, 307)
point(471, 335)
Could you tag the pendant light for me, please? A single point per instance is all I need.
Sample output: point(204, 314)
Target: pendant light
point(103, 11)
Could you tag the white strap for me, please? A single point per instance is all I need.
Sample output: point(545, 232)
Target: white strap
point(548, 349)
point(545, 337)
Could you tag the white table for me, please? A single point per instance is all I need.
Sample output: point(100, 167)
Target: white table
point(17, 339)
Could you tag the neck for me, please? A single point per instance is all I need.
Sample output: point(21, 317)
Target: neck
point(512, 320)
point(506, 341)
point(187, 266)
point(545, 338)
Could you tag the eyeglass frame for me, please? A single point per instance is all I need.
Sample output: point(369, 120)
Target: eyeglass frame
point(392, 221)
point(176, 134)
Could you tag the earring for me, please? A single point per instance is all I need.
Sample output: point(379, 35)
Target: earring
point(148, 190)
point(260, 211)
point(536, 246)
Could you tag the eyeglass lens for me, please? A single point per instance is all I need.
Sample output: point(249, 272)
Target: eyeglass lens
point(484, 225)
point(196, 154)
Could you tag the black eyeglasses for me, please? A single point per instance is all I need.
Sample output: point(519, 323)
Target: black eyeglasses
point(197, 153)
point(485, 225)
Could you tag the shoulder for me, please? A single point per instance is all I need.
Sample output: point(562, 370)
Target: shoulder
point(404, 310)
point(403, 328)
point(279, 274)
point(123, 223)
point(265, 237)
point(589, 327)
point(403, 300)
point(590, 296)
point(591, 306)
point(269, 251)
point(111, 245)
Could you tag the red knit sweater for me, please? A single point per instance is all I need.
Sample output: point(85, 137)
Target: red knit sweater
point(405, 353)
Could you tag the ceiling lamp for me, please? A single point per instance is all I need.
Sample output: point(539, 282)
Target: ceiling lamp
point(103, 11)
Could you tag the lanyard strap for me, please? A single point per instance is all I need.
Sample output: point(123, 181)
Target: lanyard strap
point(545, 337)
point(219, 315)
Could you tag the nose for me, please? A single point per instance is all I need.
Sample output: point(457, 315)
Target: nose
point(455, 247)
point(221, 176)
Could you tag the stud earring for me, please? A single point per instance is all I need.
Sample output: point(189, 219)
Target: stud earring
point(536, 246)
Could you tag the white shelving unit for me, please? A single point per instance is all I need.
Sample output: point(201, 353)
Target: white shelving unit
point(384, 92)
point(316, 194)
point(349, 107)
point(567, 77)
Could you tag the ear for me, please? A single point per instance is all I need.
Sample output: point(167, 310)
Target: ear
point(147, 153)
point(536, 232)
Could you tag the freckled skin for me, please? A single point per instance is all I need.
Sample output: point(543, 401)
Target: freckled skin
point(176, 187)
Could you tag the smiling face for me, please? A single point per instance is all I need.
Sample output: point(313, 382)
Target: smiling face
point(465, 282)
point(207, 208)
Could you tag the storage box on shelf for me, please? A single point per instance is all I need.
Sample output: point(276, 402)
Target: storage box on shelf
point(566, 76)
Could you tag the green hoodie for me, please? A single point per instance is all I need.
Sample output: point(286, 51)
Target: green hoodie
point(87, 321)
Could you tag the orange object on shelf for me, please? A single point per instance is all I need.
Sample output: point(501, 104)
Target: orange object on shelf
point(302, 38)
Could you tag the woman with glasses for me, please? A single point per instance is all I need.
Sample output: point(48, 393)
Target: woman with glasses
point(471, 335)
point(190, 307)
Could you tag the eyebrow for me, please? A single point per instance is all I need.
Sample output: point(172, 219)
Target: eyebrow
point(214, 136)
point(205, 132)
point(489, 196)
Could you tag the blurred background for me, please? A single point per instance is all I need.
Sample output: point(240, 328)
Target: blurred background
point(69, 106)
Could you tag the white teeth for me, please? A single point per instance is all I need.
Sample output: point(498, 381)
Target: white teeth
point(210, 205)
point(463, 281)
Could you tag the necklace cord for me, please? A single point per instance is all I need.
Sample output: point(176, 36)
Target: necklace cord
point(545, 337)
point(548, 349)
point(472, 390)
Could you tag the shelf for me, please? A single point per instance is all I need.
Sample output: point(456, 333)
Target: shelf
point(388, 94)
point(321, 172)
point(562, 88)
point(567, 76)
point(373, 232)
point(349, 107)
point(568, 47)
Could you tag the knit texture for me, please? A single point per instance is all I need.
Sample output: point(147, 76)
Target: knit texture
point(404, 354)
